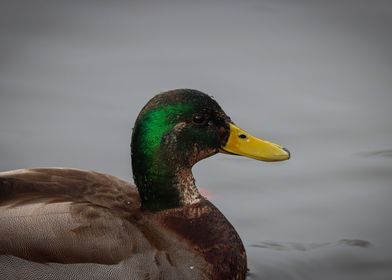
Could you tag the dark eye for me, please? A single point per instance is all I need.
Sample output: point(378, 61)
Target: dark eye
point(199, 119)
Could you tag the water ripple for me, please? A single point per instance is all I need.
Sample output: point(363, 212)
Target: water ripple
point(297, 246)
point(377, 153)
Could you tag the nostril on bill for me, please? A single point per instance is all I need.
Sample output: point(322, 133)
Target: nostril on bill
point(242, 136)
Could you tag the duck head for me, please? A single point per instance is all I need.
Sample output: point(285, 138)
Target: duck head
point(175, 130)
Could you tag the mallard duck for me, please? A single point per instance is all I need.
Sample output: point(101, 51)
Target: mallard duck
point(59, 223)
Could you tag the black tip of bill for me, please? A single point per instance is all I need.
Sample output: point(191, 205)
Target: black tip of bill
point(287, 151)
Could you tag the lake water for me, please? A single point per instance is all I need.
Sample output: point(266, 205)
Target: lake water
point(314, 76)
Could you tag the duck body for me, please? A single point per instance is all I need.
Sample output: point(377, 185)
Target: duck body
point(59, 223)
point(88, 225)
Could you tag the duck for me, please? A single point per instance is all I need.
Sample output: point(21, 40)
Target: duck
point(63, 223)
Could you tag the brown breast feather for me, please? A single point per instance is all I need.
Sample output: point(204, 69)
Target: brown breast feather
point(207, 230)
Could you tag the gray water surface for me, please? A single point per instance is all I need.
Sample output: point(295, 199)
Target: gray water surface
point(314, 76)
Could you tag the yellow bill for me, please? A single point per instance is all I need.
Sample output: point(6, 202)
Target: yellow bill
point(242, 143)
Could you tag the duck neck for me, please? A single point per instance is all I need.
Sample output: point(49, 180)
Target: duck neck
point(163, 186)
point(160, 169)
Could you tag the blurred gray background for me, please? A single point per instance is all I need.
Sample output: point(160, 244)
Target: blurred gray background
point(314, 76)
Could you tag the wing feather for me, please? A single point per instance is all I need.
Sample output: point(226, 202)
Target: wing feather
point(68, 216)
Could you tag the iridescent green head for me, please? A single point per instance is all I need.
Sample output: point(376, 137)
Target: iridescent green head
point(175, 130)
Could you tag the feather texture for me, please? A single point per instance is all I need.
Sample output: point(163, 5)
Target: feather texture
point(71, 224)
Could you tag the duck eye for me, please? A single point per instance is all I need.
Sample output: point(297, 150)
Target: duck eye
point(199, 119)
